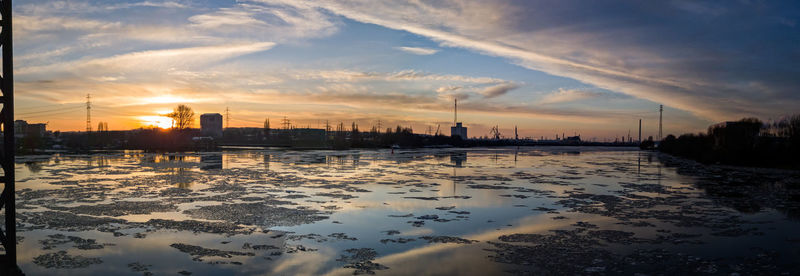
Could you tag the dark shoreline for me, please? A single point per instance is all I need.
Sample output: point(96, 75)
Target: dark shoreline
point(724, 166)
point(255, 147)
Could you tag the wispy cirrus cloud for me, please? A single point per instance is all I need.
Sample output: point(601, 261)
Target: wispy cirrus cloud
point(274, 23)
point(139, 75)
point(498, 90)
point(444, 89)
point(153, 4)
point(451, 92)
point(568, 95)
point(417, 50)
point(613, 48)
point(228, 17)
point(65, 29)
point(696, 59)
point(151, 62)
point(402, 75)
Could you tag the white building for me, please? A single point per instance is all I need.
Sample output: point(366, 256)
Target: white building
point(458, 130)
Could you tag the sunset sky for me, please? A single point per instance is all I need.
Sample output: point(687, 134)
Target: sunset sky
point(550, 67)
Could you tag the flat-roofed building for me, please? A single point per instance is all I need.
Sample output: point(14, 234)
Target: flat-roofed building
point(211, 124)
point(458, 130)
point(23, 129)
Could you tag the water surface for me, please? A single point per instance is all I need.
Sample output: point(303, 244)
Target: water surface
point(549, 210)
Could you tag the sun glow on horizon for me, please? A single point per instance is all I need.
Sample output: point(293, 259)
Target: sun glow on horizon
point(156, 121)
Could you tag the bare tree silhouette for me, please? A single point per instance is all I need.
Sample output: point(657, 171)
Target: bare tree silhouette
point(183, 117)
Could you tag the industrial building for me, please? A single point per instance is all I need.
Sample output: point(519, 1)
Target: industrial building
point(211, 124)
point(458, 130)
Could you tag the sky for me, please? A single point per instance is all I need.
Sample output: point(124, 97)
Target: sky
point(592, 68)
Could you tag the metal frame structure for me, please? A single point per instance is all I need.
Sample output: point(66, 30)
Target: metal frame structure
point(8, 235)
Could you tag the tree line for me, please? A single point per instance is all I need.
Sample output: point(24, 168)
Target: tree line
point(748, 142)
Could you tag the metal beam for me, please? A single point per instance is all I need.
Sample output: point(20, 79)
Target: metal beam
point(8, 261)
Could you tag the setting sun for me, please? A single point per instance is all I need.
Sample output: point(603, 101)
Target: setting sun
point(156, 121)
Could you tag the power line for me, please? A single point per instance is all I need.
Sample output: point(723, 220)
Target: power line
point(61, 105)
point(49, 111)
point(48, 114)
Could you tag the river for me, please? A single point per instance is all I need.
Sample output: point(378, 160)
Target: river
point(540, 210)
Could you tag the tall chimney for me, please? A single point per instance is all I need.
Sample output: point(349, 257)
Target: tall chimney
point(455, 112)
point(640, 130)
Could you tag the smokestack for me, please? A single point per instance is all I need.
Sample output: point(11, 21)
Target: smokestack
point(455, 112)
point(640, 130)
